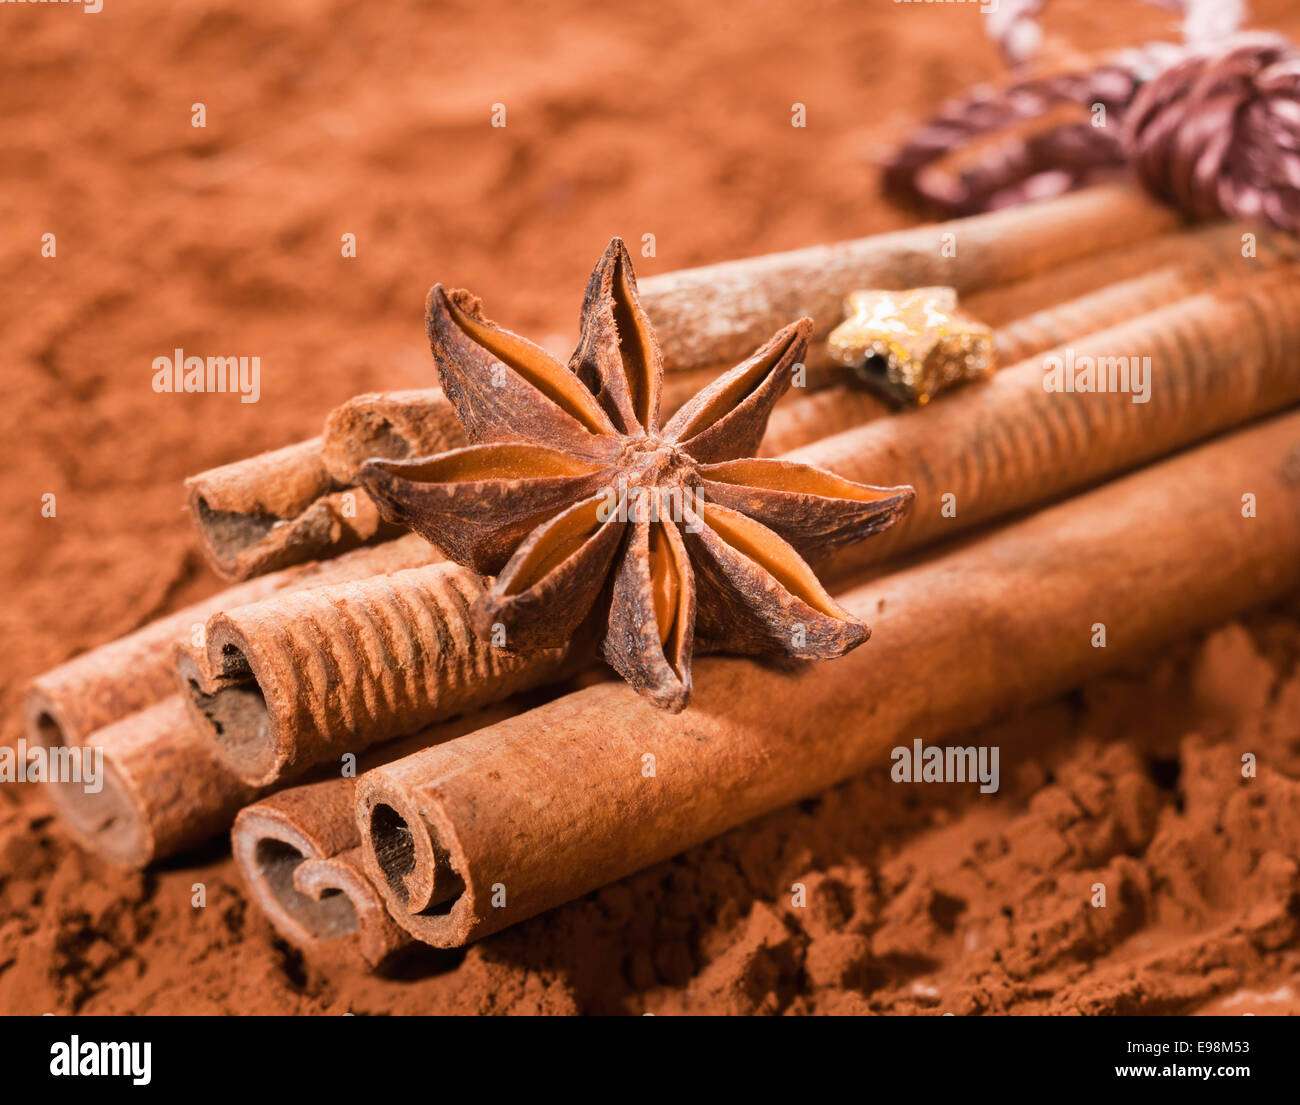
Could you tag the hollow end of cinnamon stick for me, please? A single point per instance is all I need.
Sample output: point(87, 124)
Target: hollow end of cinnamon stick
point(297, 853)
point(283, 685)
point(109, 823)
point(159, 791)
point(277, 509)
point(415, 860)
point(47, 726)
point(228, 707)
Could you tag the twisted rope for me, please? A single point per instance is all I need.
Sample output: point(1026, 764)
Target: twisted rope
point(1211, 127)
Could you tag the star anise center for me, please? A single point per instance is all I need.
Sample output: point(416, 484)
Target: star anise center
point(652, 463)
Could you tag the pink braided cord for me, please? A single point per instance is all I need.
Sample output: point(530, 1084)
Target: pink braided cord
point(1213, 127)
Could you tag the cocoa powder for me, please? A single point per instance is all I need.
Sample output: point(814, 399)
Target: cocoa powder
point(918, 899)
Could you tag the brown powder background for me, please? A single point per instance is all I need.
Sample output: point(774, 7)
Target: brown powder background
point(326, 118)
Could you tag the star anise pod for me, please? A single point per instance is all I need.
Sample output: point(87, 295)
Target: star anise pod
point(581, 505)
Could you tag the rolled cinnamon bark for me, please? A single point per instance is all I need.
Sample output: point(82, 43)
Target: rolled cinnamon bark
point(469, 837)
point(98, 687)
point(299, 852)
point(1211, 250)
point(1107, 307)
point(1216, 361)
point(824, 413)
point(276, 509)
point(301, 861)
point(163, 790)
point(282, 685)
point(721, 313)
point(847, 404)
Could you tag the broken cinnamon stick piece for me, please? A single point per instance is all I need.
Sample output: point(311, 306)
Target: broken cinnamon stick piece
point(399, 425)
point(395, 425)
point(276, 509)
point(469, 837)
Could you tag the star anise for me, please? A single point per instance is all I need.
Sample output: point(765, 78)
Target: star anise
point(580, 504)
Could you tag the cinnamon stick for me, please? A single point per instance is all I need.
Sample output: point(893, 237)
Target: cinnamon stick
point(163, 790)
point(1217, 360)
point(276, 509)
point(846, 403)
point(299, 852)
point(1089, 295)
point(721, 313)
point(98, 687)
point(1209, 249)
point(282, 685)
point(297, 503)
point(471, 836)
point(1108, 306)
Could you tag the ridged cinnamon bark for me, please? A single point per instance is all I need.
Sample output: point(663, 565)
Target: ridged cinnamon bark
point(847, 404)
point(68, 702)
point(718, 313)
point(1116, 303)
point(1217, 360)
point(285, 684)
point(472, 836)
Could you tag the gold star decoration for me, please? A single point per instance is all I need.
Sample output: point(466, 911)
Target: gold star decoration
point(911, 345)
